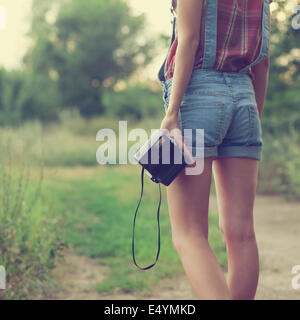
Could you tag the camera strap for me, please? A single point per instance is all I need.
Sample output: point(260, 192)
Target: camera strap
point(135, 215)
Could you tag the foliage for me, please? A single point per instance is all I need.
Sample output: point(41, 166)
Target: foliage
point(91, 44)
point(281, 113)
point(26, 96)
point(136, 102)
point(30, 238)
point(279, 171)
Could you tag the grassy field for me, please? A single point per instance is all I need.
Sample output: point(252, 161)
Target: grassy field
point(82, 204)
point(98, 205)
point(90, 207)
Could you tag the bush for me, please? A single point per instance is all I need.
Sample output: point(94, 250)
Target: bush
point(279, 171)
point(30, 230)
point(136, 102)
point(25, 96)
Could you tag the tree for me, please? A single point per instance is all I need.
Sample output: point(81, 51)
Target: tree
point(282, 112)
point(24, 97)
point(89, 45)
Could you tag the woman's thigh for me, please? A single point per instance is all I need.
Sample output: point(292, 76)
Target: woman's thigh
point(188, 202)
point(235, 182)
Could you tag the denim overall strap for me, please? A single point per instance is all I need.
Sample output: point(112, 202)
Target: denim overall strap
point(265, 37)
point(210, 42)
point(161, 72)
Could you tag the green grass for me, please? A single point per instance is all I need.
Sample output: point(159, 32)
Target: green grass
point(72, 142)
point(30, 232)
point(96, 204)
point(90, 207)
point(99, 205)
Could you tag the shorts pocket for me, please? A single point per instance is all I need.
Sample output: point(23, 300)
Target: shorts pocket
point(255, 132)
point(207, 116)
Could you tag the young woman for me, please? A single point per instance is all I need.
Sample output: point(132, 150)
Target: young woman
point(215, 78)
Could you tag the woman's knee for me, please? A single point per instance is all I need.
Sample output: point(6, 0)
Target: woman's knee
point(238, 233)
point(183, 241)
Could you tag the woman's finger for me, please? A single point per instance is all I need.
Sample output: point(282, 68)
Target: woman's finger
point(178, 138)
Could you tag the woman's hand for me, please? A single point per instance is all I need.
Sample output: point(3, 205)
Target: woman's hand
point(170, 125)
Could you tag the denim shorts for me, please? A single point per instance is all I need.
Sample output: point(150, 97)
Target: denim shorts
point(224, 106)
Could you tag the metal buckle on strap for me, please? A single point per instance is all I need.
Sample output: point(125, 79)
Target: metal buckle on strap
point(173, 13)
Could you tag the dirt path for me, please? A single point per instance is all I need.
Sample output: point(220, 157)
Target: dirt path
point(277, 225)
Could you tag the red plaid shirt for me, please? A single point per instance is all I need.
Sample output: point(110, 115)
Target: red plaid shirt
point(239, 37)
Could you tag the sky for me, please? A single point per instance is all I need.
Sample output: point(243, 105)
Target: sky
point(14, 23)
point(13, 26)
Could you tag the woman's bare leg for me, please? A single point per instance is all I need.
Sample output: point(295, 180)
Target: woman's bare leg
point(188, 202)
point(236, 180)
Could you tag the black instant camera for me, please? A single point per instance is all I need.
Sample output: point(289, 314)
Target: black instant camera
point(162, 158)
